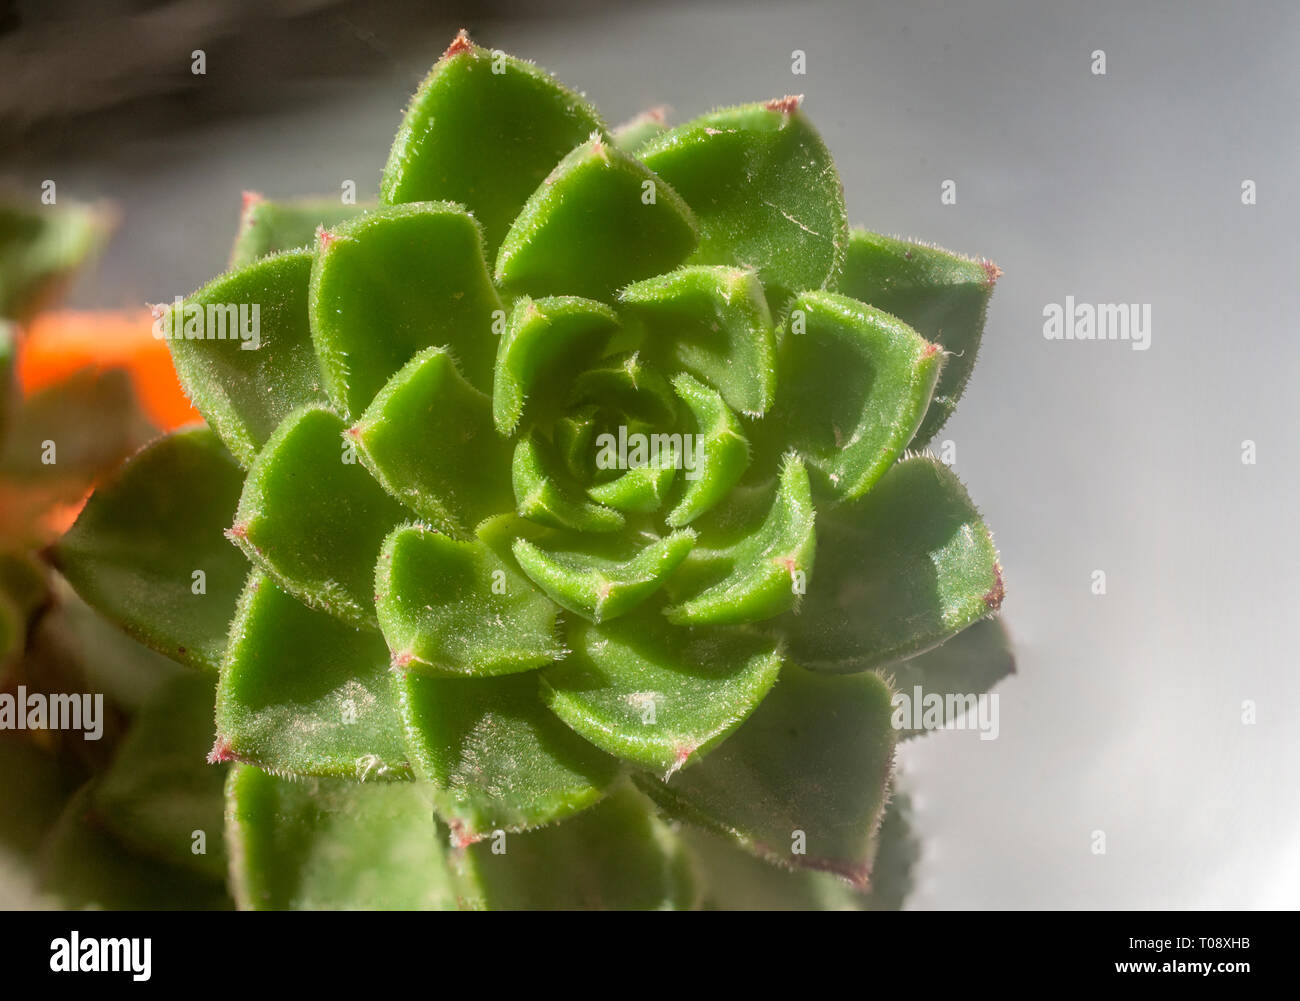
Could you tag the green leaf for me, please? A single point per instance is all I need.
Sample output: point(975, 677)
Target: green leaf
point(245, 391)
point(456, 608)
point(602, 579)
point(624, 385)
point(466, 478)
point(813, 758)
point(267, 227)
point(969, 664)
point(547, 340)
point(143, 535)
point(484, 129)
point(415, 272)
point(943, 295)
point(159, 792)
point(897, 853)
point(616, 856)
point(765, 190)
point(94, 422)
point(498, 758)
point(329, 844)
point(764, 573)
point(659, 697)
point(855, 384)
point(731, 879)
point(599, 221)
point(304, 693)
point(314, 519)
point(544, 494)
point(41, 250)
point(714, 323)
point(721, 451)
point(898, 572)
point(642, 489)
point(83, 866)
point(637, 131)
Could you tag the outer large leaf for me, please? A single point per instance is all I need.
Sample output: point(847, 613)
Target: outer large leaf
point(302, 692)
point(243, 391)
point(159, 791)
point(448, 607)
point(855, 384)
point(599, 221)
point(615, 856)
point(714, 323)
point(657, 696)
point(416, 273)
point(813, 758)
point(969, 664)
point(484, 129)
point(314, 520)
point(897, 573)
point(497, 757)
point(731, 879)
point(462, 480)
point(765, 190)
point(267, 227)
point(83, 866)
point(137, 544)
point(327, 844)
point(40, 250)
point(942, 294)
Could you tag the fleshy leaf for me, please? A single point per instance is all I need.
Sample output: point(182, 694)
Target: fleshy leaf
point(159, 791)
point(656, 696)
point(599, 221)
point(314, 519)
point(267, 227)
point(498, 758)
point(617, 856)
point(330, 844)
point(546, 342)
point(626, 385)
point(855, 384)
point(484, 129)
point(639, 130)
point(415, 272)
point(138, 543)
point(462, 480)
point(731, 879)
point(767, 570)
point(448, 607)
point(546, 495)
point(642, 489)
point(969, 664)
point(943, 295)
point(721, 453)
point(714, 323)
point(814, 758)
point(41, 249)
point(245, 385)
point(305, 694)
point(898, 572)
point(765, 190)
point(602, 581)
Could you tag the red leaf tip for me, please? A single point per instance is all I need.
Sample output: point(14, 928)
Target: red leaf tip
point(787, 105)
point(237, 531)
point(249, 199)
point(221, 752)
point(459, 44)
point(991, 273)
point(324, 238)
point(993, 599)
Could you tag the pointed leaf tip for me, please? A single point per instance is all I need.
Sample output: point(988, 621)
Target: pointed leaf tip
point(459, 44)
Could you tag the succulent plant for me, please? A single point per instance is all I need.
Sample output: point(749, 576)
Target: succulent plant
point(577, 495)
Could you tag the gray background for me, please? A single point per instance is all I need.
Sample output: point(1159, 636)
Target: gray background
point(1125, 716)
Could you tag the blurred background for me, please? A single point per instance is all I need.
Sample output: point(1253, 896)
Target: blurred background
point(1126, 712)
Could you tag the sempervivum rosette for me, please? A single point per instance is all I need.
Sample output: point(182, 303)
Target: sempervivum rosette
point(570, 489)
